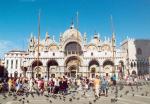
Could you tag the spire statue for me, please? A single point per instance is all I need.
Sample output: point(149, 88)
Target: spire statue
point(72, 24)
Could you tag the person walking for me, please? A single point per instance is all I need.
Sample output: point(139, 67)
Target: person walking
point(96, 86)
point(104, 86)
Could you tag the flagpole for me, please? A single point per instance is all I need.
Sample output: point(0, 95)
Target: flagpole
point(113, 33)
point(38, 43)
point(77, 48)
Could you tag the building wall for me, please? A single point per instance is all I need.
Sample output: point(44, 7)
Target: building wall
point(96, 55)
point(140, 61)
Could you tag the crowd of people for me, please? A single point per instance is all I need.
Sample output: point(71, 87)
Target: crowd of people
point(60, 85)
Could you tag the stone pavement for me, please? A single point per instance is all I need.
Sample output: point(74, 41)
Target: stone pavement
point(127, 95)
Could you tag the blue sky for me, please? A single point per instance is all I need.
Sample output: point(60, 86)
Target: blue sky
point(18, 18)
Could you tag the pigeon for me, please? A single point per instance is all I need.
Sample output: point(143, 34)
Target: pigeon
point(121, 95)
point(94, 100)
point(140, 88)
point(70, 99)
point(32, 95)
point(113, 100)
point(133, 94)
point(15, 98)
point(20, 100)
point(146, 93)
point(50, 101)
point(4, 96)
point(142, 94)
point(26, 94)
point(78, 98)
point(9, 94)
point(46, 96)
point(27, 101)
point(126, 92)
point(90, 102)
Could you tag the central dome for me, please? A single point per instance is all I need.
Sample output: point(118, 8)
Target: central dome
point(72, 33)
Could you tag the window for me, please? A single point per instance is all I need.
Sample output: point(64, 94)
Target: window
point(91, 53)
point(7, 63)
point(11, 64)
point(139, 51)
point(16, 63)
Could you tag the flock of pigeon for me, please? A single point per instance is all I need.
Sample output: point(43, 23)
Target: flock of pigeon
point(115, 92)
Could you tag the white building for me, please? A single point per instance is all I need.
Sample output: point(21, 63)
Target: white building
point(74, 56)
point(138, 53)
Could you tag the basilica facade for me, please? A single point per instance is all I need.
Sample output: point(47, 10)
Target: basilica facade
point(72, 56)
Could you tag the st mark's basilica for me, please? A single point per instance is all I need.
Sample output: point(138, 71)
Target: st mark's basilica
point(73, 56)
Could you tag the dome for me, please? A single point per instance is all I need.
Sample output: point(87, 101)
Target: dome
point(71, 33)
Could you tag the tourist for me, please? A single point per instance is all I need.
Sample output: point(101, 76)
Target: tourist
point(96, 85)
point(56, 86)
point(104, 86)
point(51, 84)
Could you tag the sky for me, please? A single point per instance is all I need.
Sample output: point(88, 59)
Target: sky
point(19, 18)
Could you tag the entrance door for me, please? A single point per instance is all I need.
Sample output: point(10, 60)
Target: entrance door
point(38, 75)
point(38, 72)
point(73, 73)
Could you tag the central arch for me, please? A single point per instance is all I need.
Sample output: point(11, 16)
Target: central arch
point(108, 67)
point(37, 70)
point(52, 68)
point(93, 68)
point(72, 66)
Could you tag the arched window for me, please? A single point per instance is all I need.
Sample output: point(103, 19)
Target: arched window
point(139, 51)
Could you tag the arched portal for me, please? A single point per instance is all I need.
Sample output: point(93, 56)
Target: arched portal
point(93, 68)
point(37, 70)
point(108, 67)
point(133, 72)
point(52, 68)
point(72, 66)
point(72, 70)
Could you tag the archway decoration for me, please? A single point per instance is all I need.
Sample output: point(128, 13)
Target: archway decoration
point(52, 68)
point(108, 67)
point(37, 71)
point(93, 68)
point(72, 66)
